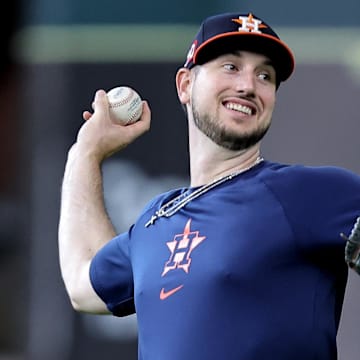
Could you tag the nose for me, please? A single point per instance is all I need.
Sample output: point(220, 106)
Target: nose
point(245, 83)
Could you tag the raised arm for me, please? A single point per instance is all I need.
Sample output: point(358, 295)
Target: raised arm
point(84, 225)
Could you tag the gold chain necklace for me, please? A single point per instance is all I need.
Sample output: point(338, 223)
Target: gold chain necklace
point(174, 205)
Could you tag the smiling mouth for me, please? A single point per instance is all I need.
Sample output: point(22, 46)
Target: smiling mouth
point(240, 108)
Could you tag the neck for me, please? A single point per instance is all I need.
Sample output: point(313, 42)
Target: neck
point(205, 168)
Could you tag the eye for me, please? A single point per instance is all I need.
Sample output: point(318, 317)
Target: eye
point(267, 74)
point(264, 75)
point(229, 67)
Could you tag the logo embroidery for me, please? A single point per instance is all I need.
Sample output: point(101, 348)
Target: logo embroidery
point(181, 248)
point(249, 24)
point(191, 53)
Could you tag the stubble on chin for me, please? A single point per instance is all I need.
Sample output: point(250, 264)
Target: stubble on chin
point(211, 127)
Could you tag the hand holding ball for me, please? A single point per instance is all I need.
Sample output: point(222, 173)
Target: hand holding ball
point(125, 105)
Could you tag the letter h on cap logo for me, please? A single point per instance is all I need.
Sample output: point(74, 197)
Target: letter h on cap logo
point(249, 24)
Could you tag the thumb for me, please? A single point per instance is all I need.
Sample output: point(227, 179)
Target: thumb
point(101, 103)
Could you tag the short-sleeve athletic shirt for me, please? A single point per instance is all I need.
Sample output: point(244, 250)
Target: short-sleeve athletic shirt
point(253, 269)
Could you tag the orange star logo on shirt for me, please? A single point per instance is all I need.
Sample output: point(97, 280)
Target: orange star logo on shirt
point(181, 248)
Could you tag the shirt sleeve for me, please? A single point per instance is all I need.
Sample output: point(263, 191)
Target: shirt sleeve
point(112, 278)
point(320, 203)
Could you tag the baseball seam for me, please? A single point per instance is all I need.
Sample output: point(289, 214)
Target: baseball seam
point(135, 115)
point(123, 101)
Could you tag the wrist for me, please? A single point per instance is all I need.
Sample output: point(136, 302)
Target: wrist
point(77, 151)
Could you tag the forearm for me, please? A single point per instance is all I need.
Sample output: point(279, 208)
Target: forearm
point(84, 225)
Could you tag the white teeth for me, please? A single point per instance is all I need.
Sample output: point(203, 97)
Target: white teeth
point(238, 107)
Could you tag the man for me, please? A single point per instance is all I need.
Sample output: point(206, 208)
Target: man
point(245, 263)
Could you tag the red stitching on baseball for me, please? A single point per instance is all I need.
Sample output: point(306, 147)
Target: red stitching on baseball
point(123, 101)
point(135, 115)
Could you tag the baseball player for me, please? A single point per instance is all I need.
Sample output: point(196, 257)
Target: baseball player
point(248, 261)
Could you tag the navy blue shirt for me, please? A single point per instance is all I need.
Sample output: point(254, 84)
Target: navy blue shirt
point(252, 269)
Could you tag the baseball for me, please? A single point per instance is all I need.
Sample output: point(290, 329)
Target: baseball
point(125, 105)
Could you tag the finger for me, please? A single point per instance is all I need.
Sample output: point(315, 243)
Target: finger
point(101, 106)
point(100, 100)
point(87, 115)
point(146, 112)
point(98, 95)
point(143, 124)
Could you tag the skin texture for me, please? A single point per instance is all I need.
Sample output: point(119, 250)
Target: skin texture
point(223, 140)
point(229, 103)
point(84, 225)
point(210, 122)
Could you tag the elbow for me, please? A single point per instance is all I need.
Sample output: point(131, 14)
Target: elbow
point(75, 299)
point(76, 293)
point(74, 280)
point(84, 299)
point(81, 294)
point(76, 305)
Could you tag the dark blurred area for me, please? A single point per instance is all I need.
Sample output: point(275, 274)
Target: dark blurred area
point(14, 178)
point(9, 127)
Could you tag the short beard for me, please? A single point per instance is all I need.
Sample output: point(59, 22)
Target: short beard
point(225, 138)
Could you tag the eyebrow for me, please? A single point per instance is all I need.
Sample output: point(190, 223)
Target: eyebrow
point(267, 61)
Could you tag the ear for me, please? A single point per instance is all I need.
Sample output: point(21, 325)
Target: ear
point(183, 85)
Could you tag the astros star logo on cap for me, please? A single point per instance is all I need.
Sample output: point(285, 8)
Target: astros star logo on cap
point(249, 23)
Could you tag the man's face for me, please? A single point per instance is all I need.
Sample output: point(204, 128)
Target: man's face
point(233, 98)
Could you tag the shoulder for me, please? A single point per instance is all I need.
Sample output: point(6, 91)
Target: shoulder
point(305, 176)
point(304, 186)
point(320, 202)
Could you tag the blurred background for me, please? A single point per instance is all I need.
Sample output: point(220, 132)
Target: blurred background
point(56, 54)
